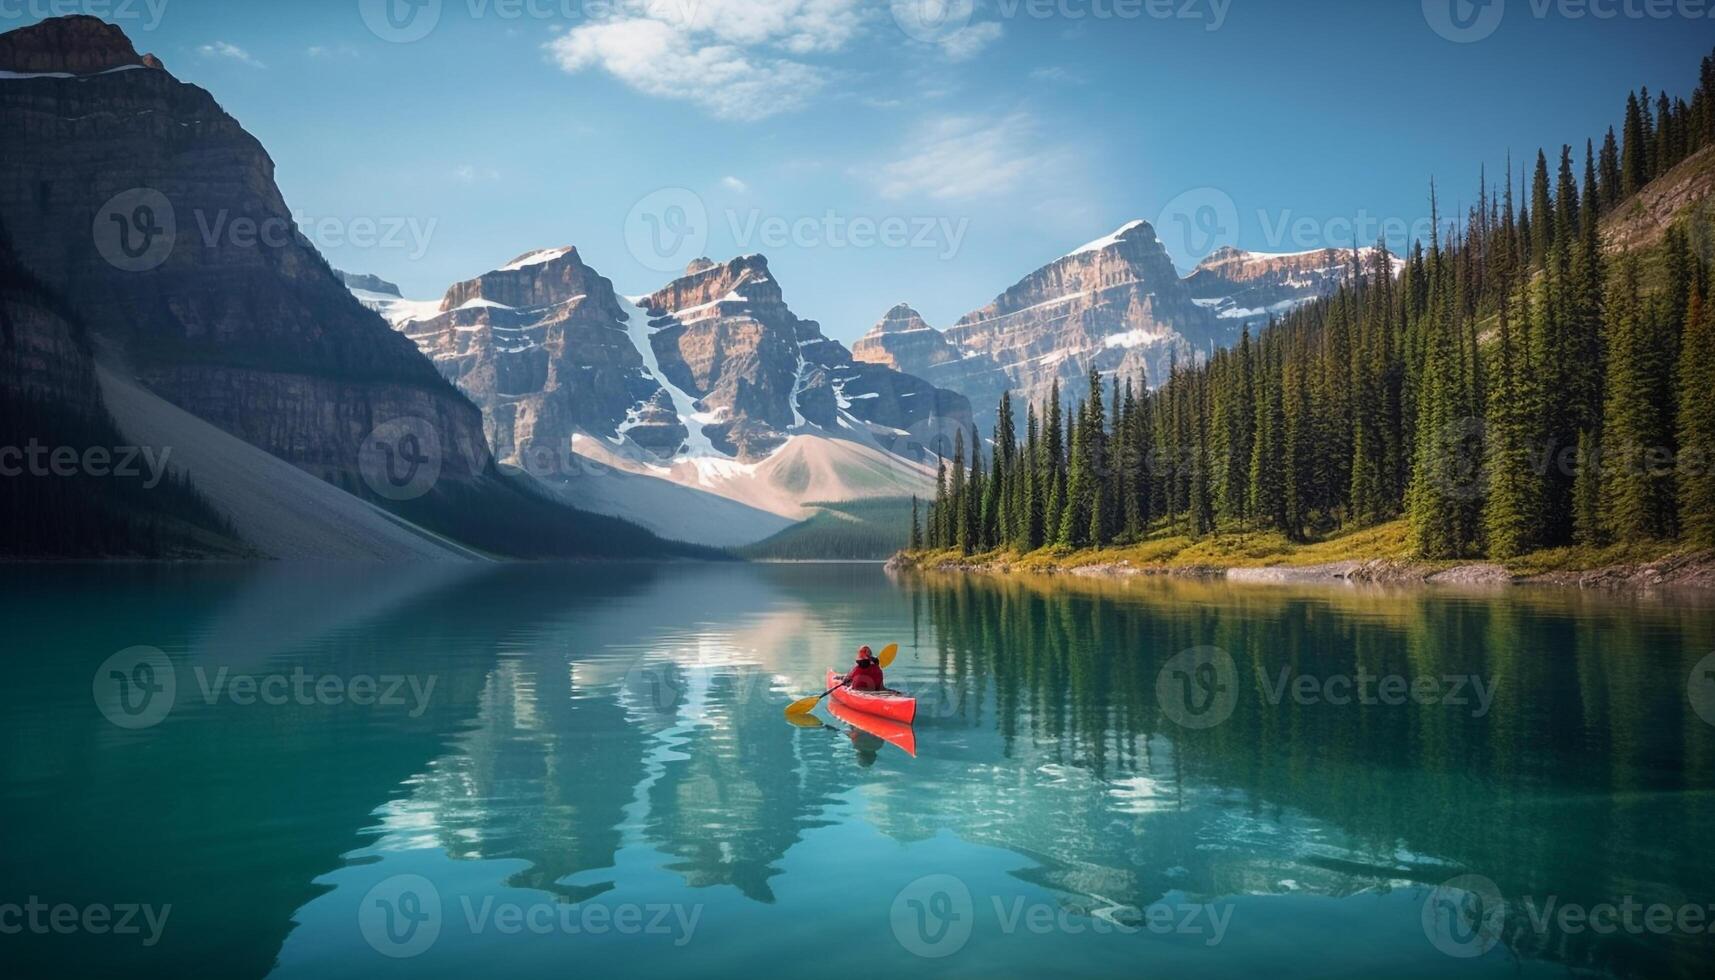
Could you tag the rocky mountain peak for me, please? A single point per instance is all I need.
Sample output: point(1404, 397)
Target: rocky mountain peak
point(700, 264)
point(77, 45)
point(1133, 236)
point(1114, 305)
point(901, 319)
point(714, 289)
point(904, 341)
point(544, 277)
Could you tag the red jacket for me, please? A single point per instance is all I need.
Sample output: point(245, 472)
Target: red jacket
point(866, 678)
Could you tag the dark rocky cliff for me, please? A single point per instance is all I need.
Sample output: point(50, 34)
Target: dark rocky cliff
point(147, 206)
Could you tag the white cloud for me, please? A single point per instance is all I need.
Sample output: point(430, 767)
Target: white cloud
point(223, 49)
point(968, 43)
point(738, 59)
point(963, 157)
point(734, 184)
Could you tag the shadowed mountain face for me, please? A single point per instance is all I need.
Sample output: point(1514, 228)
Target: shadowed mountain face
point(156, 215)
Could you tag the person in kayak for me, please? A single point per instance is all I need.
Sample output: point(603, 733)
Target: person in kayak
point(866, 676)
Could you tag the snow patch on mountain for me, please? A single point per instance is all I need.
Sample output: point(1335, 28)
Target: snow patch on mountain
point(539, 257)
point(698, 444)
point(1107, 241)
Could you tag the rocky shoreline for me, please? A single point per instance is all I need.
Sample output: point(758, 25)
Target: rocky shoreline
point(1694, 570)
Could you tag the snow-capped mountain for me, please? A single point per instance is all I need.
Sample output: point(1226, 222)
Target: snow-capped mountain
point(1115, 305)
point(759, 372)
point(1244, 289)
point(707, 410)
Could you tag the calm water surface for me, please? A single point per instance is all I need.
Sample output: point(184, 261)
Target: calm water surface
point(356, 772)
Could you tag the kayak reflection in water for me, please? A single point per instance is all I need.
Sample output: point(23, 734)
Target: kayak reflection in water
point(868, 746)
point(866, 676)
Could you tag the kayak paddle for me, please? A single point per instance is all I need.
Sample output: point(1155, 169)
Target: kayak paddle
point(804, 706)
point(887, 654)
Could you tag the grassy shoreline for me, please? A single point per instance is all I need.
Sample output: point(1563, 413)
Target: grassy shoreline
point(1376, 554)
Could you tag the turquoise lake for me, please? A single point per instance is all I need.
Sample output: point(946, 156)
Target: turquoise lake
point(584, 770)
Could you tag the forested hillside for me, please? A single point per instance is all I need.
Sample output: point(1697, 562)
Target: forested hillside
point(857, 530)
point(1539, 374)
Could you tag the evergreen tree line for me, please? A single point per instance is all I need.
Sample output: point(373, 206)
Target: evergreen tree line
point(1505, 387)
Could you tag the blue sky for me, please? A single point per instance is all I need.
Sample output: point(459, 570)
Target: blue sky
point(876, 156)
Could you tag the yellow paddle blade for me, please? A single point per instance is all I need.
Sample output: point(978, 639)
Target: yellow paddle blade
point(803, 706)
point(887, 654)
point(804, 721)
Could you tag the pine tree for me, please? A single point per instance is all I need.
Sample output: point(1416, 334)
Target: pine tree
point(1035, 483)
point(1634, 163)
point(1130, 467)
point(1637, 488)
point(1096, 465)
point(1005, 527)
point(1202, 500)
point(971, 528)
point(1075, 515)
point(1053, 466)
point(1445, 496)
point(1510, 517)
point(994, 487)
point(1541, 212)
point(1587, 526)
point(1695, 472)
point(1610, 172)
point(916, 543)
point(1268, 453)
point(1143, 449)
point(938, 511)
point(958, 535)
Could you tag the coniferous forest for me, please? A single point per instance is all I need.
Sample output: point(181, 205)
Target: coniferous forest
point(1512, 384)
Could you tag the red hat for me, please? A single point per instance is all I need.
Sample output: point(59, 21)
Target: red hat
point(865, 654)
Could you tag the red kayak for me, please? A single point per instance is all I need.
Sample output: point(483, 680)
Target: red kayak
point(895, 733)
point(891, 705)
